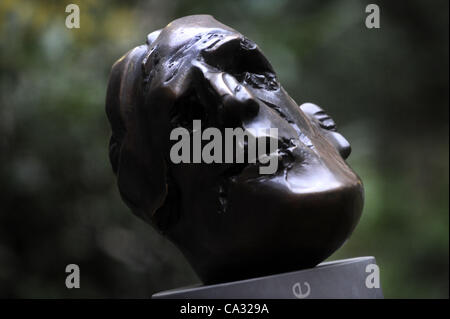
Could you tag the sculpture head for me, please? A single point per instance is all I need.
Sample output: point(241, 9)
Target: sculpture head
point(230, 221)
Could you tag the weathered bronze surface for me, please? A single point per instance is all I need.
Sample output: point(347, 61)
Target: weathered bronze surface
point(229, 222)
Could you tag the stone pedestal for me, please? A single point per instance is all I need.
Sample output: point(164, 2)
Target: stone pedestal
point(347, 278)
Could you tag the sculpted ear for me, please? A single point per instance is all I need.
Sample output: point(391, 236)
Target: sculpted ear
point(327, 127)
point(136, 158)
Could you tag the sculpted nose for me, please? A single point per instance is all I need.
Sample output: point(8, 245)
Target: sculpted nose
point(236, 102)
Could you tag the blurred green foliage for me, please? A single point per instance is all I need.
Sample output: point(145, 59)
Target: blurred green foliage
point(387, 89)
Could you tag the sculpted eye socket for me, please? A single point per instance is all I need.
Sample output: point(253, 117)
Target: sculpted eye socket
point(250, 62)
point(238, 56)
point(266, 80)
point(242, 59)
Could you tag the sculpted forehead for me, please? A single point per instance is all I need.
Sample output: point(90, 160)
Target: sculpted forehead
point(197, 42)
point(182, 31)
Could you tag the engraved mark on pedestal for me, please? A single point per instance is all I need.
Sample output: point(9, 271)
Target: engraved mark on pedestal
point(299, 292)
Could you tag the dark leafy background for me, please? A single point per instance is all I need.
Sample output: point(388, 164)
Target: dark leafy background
point(387, 89)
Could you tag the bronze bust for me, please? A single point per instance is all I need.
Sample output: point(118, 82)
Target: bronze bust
point(230, 222)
